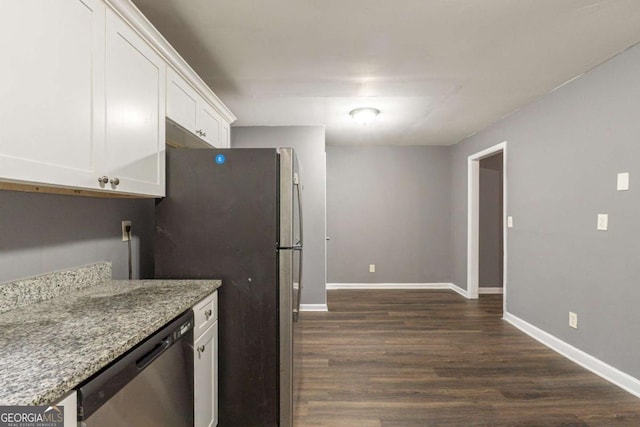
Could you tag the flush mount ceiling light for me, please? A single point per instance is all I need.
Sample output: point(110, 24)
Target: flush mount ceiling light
point(364, 115)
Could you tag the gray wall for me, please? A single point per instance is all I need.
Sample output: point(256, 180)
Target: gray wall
point(309, 144)
point(388, 206)
point(42, 233)
point(490, 222)
point(563, 154)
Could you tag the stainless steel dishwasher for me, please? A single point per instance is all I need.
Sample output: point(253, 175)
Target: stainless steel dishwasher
point(151, 385)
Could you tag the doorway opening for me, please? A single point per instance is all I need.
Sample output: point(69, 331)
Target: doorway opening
point(486, 223)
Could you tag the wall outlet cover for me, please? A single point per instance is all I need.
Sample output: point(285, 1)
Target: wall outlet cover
point(603, 222)
point(623, 181)
point(125, 236)
point(510, 222)
point(372, 268)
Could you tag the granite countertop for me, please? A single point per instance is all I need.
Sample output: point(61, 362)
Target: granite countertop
point(48, 347)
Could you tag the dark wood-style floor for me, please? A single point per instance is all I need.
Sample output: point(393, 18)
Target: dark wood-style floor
point(432, 358)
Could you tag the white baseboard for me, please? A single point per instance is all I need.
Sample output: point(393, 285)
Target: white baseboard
point(597, 366)
point(314, 307)
point(459, 290)
point(332, 286)
point(496, 290)
point(449, 286)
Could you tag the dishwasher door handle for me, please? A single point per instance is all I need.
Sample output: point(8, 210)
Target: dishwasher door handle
point(142, 362)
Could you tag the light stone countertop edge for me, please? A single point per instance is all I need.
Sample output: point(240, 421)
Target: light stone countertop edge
point(48, 348)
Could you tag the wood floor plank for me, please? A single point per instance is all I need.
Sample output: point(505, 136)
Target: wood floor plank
point(404, 358)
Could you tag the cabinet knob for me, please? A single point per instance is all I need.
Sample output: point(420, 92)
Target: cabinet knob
point(115, 181)
point(103, 179)
point(201, 349)
point(199, 132)
point(207, 314)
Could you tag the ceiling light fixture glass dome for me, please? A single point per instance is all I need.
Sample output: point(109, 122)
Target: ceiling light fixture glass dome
point(364, 116)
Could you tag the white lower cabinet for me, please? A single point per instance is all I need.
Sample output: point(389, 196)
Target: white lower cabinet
point(205, 362)
point(70, 405)
point(206, 378)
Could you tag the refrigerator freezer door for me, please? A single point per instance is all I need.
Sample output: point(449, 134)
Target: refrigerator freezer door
point(286, 336)
point(297, 281)
point(290, 282)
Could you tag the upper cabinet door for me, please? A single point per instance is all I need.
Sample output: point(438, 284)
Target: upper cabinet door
point(182, 101)
point(188, 109)
point(225, 135)
point(208, 124)
point(135, 111)
point(51, 91)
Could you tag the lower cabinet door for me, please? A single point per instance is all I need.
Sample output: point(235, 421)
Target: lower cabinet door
point(205, 371)
point(70, 405)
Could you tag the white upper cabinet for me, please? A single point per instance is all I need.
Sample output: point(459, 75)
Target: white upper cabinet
point(182, 101)
point(193, 113)
point(225, 135)
point(135, 94)
point(51, 91)
point(209, 125)
point(84, 93)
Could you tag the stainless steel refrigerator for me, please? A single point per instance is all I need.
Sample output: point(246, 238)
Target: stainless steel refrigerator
point(236, 215)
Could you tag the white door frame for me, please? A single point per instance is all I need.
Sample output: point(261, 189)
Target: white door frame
point(473, 219)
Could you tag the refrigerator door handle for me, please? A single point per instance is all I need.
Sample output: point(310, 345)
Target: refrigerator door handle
point(299, 191)
point(298, 247)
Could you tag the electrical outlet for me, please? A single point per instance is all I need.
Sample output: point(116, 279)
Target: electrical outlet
point(372, 268)
point(573, 320)
point(125, 235)
point(510, 222)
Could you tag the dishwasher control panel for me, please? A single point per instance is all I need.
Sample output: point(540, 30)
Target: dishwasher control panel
point(183, 329)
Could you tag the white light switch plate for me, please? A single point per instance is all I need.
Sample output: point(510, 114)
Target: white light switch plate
point(623, 181)
point(573, 320)
point(372, 268)
point(510, 222)
point(603, 222)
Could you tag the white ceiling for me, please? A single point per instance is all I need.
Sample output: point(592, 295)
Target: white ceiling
point(438, 70)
